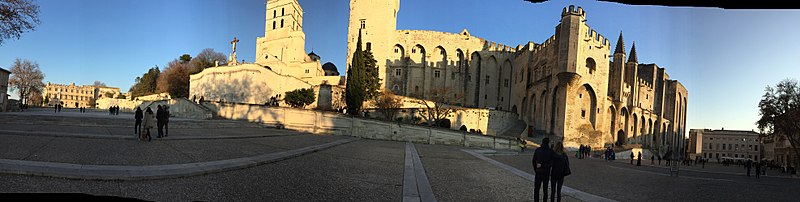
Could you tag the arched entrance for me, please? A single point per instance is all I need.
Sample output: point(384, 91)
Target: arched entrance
point(620, 138)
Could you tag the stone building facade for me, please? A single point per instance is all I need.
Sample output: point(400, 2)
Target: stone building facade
point(4, 89)
point(75, 96)
point(281, 65)
point(571, 86)
point(716, 144)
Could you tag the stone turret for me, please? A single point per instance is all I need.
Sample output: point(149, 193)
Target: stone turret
point(632, 57)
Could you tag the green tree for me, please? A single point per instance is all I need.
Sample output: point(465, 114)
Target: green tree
point(185, 58)
point(372, 81)
point(146, 84)
point(299, 98)
point(16, 17)
point(355, 91)
point(26, 77)
point(779, 109)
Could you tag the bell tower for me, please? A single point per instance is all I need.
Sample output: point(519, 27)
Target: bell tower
point(283, 39)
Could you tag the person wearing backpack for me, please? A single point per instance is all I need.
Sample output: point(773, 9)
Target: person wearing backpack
point(559, 171)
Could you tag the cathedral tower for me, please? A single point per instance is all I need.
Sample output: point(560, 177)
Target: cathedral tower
point(283, 39)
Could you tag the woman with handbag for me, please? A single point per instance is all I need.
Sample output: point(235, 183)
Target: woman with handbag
point(559, 171)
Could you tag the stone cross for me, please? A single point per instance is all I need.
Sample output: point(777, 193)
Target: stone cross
point(234, 43)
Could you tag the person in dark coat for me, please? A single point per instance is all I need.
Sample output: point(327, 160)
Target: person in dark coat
point(139, 115)
point(542, 162)
point(652, 160)
point(559, 170)
point(632, 157)
point(166, 120)
point(639, 159)
point(581, 151)
point(748, 165)
point(160, 121)
point(758, 170)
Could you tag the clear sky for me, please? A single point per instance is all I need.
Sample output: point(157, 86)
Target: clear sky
point(725, 58)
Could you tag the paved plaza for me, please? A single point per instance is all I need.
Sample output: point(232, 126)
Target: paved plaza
point(223, 160)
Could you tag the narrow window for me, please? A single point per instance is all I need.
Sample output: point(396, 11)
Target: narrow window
point(282, 13)
point(583, 113)
point(363, 24)
point(274, 13)
point(307, 71)
point(396, 50)
point(369, 46)
point(398, 72)
point(281, 23)
point(436, 74)
point(487, 79)
point(505, 83)
point(273, 24)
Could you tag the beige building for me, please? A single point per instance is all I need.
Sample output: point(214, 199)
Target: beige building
point(716, 144)
point(4, 89)
point(778, 149)
point(75, 96)
point(281, 65)
point(570, 86)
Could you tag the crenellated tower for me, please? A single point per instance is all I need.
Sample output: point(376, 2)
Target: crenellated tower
point(376, 21)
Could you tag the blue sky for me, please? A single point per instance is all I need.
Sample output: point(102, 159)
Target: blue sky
point(724, 57)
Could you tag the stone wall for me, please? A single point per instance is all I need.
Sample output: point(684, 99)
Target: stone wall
point(338, 124)
point(124, 104)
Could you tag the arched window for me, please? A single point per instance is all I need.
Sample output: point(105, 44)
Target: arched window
point(591, 65)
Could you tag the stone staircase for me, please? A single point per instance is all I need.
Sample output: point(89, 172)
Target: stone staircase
point(515, 130)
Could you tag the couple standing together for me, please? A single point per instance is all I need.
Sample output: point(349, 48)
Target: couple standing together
point(146, 117)
point(550, 165)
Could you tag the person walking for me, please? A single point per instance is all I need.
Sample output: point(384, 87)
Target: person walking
point(160, 121)
point(588, 151)
point(149, 121)
point(758, 170)
point(138, 115)
point(581, 150)
point(542, 162)
point(639, 159)
point(747, 165)
point(632, 157)
point(652, 159)
point(559, 171)
point(659, 159)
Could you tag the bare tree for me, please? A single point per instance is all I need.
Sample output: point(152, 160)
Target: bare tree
point(16, 17)
point(205, 59)
point(388, 104)
point(439, 104)
point(26, 78)
point(99, 84)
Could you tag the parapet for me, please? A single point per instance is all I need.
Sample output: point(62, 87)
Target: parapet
point(572, 11)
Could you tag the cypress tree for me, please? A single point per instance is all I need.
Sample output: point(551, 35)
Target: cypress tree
point(355, 91)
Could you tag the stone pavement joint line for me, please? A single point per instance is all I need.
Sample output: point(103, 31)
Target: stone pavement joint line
point(131, 137)
point(416, 186)
point(580, 195)
point(118, 172)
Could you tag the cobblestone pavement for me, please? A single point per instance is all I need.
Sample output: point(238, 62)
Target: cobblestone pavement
point(363, 170)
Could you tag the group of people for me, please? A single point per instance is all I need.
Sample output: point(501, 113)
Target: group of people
point(550, 165)
point(145, 120)
point(584, 151)
point(82, 109)
point(194, 99)
point(113, 110)
point(57, 108)
point(610, 155)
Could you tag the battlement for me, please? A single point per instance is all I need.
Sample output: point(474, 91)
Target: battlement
point(598, 37)
point(571, 10)
point(546, 43)
point(645, 83)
